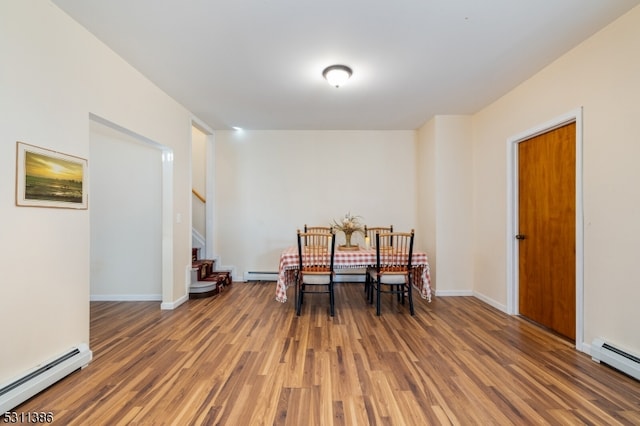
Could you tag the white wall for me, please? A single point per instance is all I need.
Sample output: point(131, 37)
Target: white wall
point(270, 183)
point(125, 216)
point(53, 75)
point(454, 205)
point(426, 162)
point(446, 209)
point(601, 75)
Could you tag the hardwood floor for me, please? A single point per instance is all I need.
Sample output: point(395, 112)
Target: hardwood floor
point(242, 358)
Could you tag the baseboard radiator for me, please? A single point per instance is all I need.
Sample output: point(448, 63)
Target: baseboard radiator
point(602, 351)
point(36, 380)
point(348, 276)
point(260, 276)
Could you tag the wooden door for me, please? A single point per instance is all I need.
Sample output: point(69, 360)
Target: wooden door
point(547, 231)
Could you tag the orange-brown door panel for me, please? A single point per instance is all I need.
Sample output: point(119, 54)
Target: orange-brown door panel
point(547, 263)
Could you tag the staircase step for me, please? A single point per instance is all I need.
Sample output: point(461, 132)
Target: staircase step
point(211, 285)
point(223, 278)
point(202, 289)
point(204, 267)
point(205, 280)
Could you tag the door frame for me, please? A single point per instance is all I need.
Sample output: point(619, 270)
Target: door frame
point(512, 216)
point(167, 206)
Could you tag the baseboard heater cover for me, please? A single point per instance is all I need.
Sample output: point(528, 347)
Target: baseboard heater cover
point(353, 276)
point(601, 351)
point(260, 276)
point(36, 380)
point(273, 276)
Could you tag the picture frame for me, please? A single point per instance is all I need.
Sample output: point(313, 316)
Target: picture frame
point(46, 178)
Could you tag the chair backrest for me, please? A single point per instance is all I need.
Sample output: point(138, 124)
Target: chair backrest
point(316, 251)
point(317, 229)
point(394, 251)
point(372, 231)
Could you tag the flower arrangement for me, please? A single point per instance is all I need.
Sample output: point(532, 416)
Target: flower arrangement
point(349, 224)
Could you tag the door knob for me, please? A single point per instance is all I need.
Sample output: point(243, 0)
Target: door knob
point(520, 237)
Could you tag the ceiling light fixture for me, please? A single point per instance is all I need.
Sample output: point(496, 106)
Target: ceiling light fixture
point(337, 75)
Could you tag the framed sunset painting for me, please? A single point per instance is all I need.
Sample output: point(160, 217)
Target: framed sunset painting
point(46, 178)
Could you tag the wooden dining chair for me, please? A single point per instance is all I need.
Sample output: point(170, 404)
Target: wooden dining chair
point(318, 229)
point(392, 272)
point(310, 240)
point(371, 232)
point(315, 271)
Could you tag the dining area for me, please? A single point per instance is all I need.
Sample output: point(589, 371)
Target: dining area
point(380, 258)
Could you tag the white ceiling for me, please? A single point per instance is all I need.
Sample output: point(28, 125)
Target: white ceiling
point(258, 64)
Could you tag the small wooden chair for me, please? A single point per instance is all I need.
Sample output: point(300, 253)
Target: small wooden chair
point(372, 231)
point(316, 267)
point(392, 273)
point(370, 234)
point(315, 230)
point(318, 229)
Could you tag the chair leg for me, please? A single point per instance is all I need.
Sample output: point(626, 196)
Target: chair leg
point(378, 298)
point(331, 299)
point(367, 285)
point(372, 287)
point(300, 293)
point(410, 295)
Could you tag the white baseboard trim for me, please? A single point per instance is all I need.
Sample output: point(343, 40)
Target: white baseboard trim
point(138, 298)
point(454, 293)
point(168, 306)
point(355, 276)
point(125, 297)
point(485, 299)
point(491, 302)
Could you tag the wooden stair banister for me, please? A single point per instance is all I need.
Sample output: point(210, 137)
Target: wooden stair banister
point(198, 195)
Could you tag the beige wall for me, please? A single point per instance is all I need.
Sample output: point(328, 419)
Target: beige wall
point(270, 183)
point(53, 75)
point(445, 204)
point(426, 161)
point(601, 75)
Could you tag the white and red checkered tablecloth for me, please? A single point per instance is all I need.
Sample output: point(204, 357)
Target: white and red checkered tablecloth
point(354, 259)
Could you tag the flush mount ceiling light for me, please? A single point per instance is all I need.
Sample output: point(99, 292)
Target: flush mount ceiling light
point(337, 75)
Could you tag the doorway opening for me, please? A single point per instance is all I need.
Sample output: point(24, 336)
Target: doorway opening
point(160, 159)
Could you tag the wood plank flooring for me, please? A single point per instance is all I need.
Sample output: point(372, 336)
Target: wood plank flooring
point(242, 358)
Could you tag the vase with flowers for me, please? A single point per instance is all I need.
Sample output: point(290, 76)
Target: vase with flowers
point(349, 225)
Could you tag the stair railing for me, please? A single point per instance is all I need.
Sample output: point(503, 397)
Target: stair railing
point(198, 195)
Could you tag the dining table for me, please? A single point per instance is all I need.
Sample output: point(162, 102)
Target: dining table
point(362, 257)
